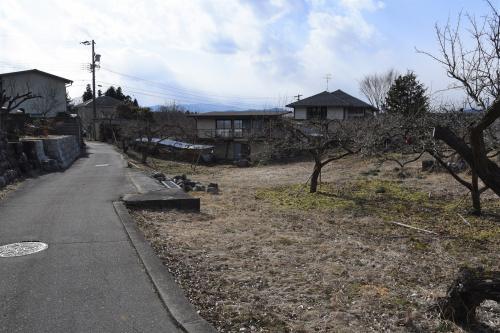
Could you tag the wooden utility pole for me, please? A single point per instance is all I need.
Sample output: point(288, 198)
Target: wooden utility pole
point(95, 58)
point(94, 108)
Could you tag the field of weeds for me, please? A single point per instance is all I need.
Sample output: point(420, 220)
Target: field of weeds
point(267, 256)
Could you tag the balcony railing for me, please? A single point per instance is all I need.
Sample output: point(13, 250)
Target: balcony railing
point(232, 133)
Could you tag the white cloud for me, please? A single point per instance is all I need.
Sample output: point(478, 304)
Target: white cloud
point(230, 48)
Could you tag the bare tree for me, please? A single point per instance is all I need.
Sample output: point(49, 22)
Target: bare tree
point(9, 103)
point(325, 140)
point(149, 129)
point(47, 101)
point(376, 86)
point(475, 69)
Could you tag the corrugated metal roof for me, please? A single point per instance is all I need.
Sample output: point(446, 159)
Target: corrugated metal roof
point(337, 98)
point(177, 144)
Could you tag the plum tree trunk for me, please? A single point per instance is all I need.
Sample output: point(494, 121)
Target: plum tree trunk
point(485, 169)
point(313, 188)
point(467, 292)
point(476, 195)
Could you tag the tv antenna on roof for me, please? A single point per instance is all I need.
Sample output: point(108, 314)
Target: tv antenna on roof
point(327, 77)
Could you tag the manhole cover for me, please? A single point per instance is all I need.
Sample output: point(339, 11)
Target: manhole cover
point(21, 249)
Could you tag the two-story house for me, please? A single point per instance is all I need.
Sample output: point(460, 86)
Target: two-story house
point(105, 115)
point(329, 106)
point(50, 89)
point(236, 135)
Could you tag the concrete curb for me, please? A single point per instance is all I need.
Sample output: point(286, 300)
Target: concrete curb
point(170, 293)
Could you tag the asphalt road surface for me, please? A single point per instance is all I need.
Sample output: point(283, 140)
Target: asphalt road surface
point(90, 278)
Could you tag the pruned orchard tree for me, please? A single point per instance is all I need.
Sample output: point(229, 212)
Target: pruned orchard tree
point(474, 69)
point(376, 86)
point(326, 140)
point(405, 139)
point(9, 103)
point(472, 58)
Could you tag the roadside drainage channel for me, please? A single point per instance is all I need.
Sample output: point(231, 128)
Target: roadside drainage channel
point(22, 249)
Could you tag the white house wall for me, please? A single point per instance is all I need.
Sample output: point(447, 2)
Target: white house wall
point(300, 113)
point(53, 92)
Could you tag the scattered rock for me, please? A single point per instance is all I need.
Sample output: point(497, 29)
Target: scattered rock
point(243, 163)
point(159, 176)
point(213, 188)
point(199, 188)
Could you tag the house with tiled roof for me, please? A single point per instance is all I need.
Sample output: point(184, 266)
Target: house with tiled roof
point(105, 115)
point(330, 105)
point(237, 135)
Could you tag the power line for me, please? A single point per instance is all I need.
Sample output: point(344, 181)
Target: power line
point(185, 91)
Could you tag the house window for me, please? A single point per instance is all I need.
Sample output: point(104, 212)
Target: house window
point(355, 113)
point(223, 128)
point(316, 112)
point(238, 128)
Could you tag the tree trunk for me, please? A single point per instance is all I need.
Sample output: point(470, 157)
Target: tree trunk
point(467, 292)
point(487, 170)
point(476, 195)
point(314, 178)
point(125, 146)
point(144, 154)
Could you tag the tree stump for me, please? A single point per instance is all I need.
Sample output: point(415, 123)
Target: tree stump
point(467, 292)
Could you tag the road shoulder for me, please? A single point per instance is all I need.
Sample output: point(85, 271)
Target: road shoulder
point(169, 292)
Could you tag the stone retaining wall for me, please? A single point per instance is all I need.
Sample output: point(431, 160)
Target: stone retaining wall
point(25, 157)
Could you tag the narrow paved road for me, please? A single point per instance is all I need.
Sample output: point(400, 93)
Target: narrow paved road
point(90, 278)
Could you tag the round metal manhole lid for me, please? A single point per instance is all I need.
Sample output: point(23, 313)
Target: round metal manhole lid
point(21, 249)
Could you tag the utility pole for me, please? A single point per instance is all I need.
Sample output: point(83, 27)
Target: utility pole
point(95, 58)
point(298, 96)
point(94, 108)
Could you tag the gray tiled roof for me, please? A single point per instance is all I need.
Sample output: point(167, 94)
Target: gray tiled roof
point(101, 101)
point(337, 98)
point(36, 71)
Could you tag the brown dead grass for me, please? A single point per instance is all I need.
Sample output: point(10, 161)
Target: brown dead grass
point(4, 192)
point(251, 263)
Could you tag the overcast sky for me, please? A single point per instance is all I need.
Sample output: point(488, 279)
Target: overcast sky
point(250, 53)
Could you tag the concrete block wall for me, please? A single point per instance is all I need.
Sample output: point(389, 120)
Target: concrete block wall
point(65, 149)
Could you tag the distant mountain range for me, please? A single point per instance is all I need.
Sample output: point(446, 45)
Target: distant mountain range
point(203, 107)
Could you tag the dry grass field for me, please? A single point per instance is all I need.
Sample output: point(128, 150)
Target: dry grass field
point(266, 256)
